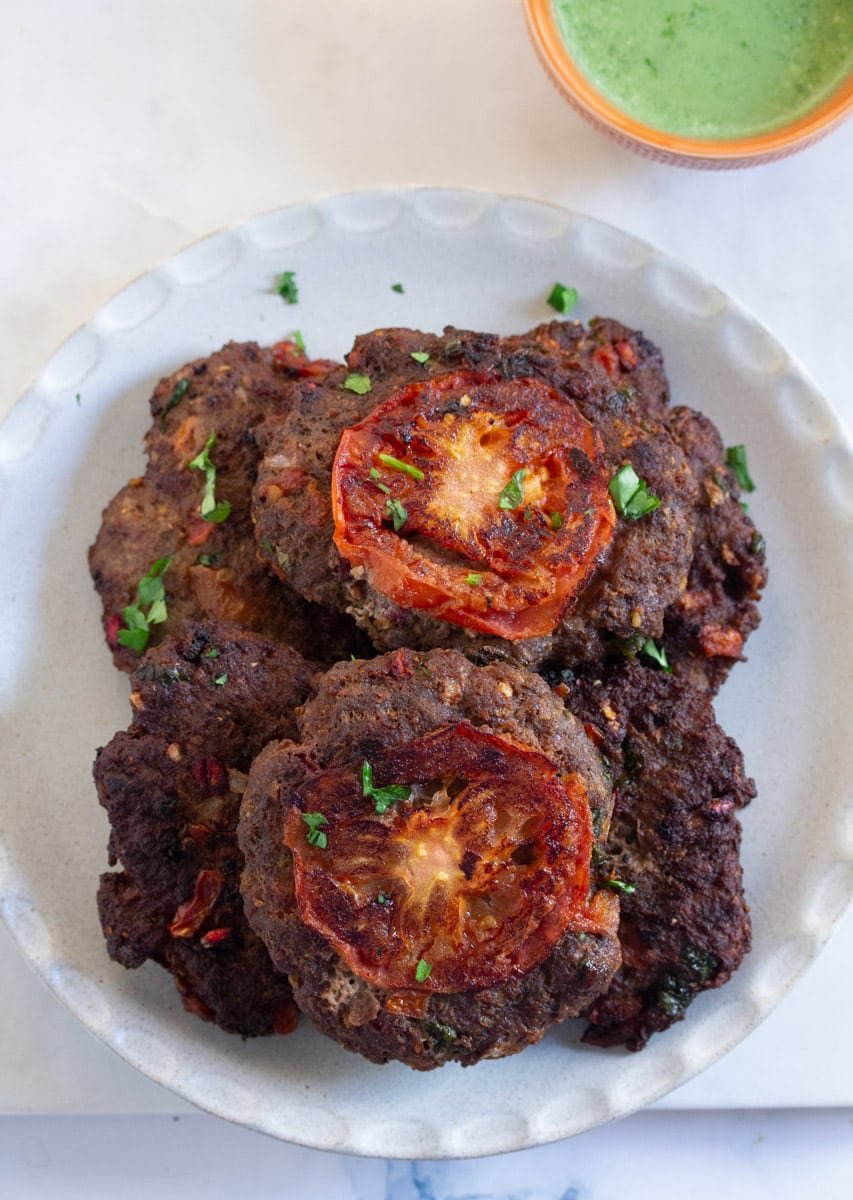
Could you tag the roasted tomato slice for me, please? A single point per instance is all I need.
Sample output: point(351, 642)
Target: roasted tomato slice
point(479, 499)
point(468, 880)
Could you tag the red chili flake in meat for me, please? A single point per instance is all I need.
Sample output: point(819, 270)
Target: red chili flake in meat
point(197, 1007)
point(288, 356)
point(214, 936)
point(200, 833)
point(627, 356)
point(593, 733)
point(400, 665)
point(286, 1019)
point(720, 641)
point(191, 915)
point(113, 624)
point(211, 776)
point(198, 530)
point(607, 357)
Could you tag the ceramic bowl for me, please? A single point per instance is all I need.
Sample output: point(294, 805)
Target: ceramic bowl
point(723, 153)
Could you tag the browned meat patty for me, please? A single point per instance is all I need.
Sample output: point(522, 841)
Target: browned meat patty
point(214, 570)
point(203, 706)
point(674, 844)
point(376, 712)
point(647, 577)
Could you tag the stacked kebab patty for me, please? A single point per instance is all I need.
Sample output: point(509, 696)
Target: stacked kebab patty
point(507, 802)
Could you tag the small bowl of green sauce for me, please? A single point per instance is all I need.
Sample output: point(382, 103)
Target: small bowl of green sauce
point(707, 83)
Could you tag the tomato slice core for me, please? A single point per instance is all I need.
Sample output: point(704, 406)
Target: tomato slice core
point(479, 499)
point(476, 874)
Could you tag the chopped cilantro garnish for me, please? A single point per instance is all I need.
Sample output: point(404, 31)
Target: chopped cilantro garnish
point(210, 510)
point(178, 392)
point(397, 464)
point(221, 680)
point(563, 298)
point(556, 520)
point(512, 495)
point(208, 560)
point(383, 898)
point(423, 970)
point(299, 341)
point(420, 356)
point(736, 461)
point(631, 494)
point(375, 477)
point(382, 798)
point(397, 287)
point(360, 384)
point(316, 837)
point(701, 962)
point(656, 654)
point(150, 594)
point(213, 652)
point(287, 288)
point(397, 513)
point(619, 885)
point(474, 579)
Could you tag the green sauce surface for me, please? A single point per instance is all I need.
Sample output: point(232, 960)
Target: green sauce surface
point(711, 68)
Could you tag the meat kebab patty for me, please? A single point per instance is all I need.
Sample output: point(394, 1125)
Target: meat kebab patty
point(456, 491)
point(673, 846)
point(417, 861)
point(207, 414)
point(203, 706)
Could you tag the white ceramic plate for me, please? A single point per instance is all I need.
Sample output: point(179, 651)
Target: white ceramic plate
point(483, 262)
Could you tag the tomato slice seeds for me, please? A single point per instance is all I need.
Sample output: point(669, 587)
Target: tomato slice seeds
point(476, 874)
point(503, 480)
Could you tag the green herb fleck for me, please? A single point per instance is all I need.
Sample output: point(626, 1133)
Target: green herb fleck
point(287, 288)
point(316, 837)
point(298, 341)
point(397, 464)
point(736, 461)
point(210, 510)
point(619, 885)
point(213, 652)
point(511, 496)
point(178, 392)
point(757, 544)
point(701, 962)
point(360, 384)
point(396, 512)
point(556, 521)
point(397, 287)
point(441, 1033)
point(420, 356)
point(383, 898)
point(631, 494)
point(669, 1004)
point(563, 298)
point(221, 680)
point(150, 594)
point(474, 579)
point(382, 798)
point(656, 654)
point(423, 970)
point(208, 560)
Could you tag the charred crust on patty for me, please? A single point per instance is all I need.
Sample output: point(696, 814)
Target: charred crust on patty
point(360, 710)
point(673, 846)
point(615, 378)
point(214, 572)
point(203, 706)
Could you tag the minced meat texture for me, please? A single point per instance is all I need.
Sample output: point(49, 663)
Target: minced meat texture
point(214, 570)
point(203, 706)
point(615, 377)
point(675, 839)
point(362, 708)
point(707, 626)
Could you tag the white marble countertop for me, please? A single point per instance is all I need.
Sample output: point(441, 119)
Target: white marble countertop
point(129, 131)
